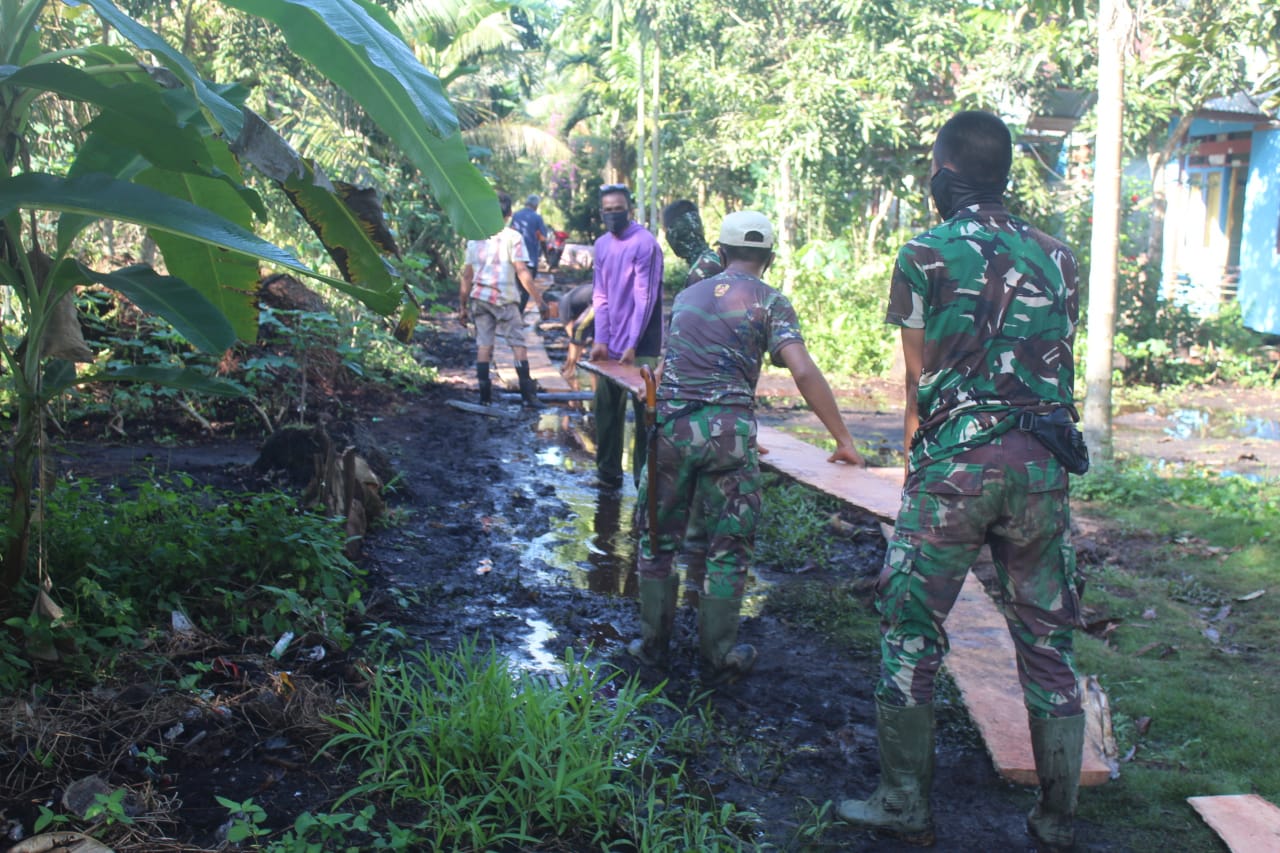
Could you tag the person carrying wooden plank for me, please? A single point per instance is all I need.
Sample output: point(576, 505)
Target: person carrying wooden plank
point(627, 297)
point(704, 448)
point(988, 307)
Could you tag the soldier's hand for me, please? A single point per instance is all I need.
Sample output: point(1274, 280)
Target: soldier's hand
point(846, 453)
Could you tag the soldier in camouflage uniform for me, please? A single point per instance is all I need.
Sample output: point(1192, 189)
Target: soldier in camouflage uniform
point(686, 237)
point(721, 330)
point(988, 307)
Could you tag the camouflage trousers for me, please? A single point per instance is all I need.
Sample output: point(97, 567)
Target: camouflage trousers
point(1010, 494)
point(707, 466)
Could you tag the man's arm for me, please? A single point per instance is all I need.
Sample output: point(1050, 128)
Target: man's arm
point(913, 358)
point(599, 305)
point(464, 291)
point(525, 277)
point(817, 393)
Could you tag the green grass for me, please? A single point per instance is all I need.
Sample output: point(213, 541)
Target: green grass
point(487, 759)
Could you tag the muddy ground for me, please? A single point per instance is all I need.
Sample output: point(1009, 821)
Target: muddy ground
point(499, 535)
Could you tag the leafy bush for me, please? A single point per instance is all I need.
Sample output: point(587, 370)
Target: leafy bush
point(244, 564)
point(840, 297)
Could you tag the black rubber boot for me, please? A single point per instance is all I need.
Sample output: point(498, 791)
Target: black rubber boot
point(724, 660)
point(657, 619)
point(899, 805)
point(528, 387)
point(1058, 746)
point(486, 387)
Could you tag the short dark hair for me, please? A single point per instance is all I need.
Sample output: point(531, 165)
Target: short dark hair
point(610, 189)
point(676, 209)
point(978, 146)
point(504, 201)
point(750, 254)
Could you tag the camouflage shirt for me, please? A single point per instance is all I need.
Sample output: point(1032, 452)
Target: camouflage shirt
point(721, 329)
point(705, 265)
point(998, 303)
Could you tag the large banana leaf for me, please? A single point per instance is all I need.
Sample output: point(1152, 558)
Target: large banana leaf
point(378, 70)
point(228, 280)
point(185, 308)
point(348, 239)
point(102, 196)
point(224, 114)
point(186, 379)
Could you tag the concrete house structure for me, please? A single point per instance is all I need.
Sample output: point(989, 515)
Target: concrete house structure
point(1222, 230)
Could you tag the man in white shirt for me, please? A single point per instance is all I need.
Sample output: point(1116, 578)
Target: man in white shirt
point(495, 272)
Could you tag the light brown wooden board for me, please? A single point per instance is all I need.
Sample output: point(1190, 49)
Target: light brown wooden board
point(1246, 822)
point(876, 490)
point(626, 375)
point(982, 662)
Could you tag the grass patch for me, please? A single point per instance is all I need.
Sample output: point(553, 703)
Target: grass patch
point(485, 759)
point(793, 529)
point(1190, 670)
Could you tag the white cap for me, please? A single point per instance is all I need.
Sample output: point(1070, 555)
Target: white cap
point(749, 228)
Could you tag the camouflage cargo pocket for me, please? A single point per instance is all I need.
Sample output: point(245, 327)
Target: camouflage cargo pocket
point(893, 587)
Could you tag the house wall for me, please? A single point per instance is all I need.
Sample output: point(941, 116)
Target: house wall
point(1259, 289)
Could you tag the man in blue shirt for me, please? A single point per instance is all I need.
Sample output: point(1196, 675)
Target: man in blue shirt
point(533, 230)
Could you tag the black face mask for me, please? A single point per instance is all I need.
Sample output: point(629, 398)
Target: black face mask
point(952, 192)
point(616, 220)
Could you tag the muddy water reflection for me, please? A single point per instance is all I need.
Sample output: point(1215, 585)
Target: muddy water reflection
point(594, 543)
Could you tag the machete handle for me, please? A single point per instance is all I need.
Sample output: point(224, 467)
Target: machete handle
point(650, 389)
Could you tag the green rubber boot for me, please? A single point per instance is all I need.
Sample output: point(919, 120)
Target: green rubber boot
point(723, 659)
point(657, 617)
point(1058, 746)
point(899, 805)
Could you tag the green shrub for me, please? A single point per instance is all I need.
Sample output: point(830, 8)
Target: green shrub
point(841, 297)
point(241, 564)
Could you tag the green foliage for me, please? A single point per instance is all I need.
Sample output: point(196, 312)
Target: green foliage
point(239, 564)
point(840, 297)
point(486, 759)
point(792, 532)
point(1135, 482)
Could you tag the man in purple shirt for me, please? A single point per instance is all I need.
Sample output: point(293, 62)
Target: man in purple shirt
point(627, 296)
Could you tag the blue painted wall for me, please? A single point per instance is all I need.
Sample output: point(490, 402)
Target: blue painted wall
point(1259, 288)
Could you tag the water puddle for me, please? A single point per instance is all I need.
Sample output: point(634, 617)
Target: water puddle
point(1201, 423)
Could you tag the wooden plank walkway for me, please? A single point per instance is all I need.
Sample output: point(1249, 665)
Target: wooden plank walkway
point(1246, 822)
point(982, 659)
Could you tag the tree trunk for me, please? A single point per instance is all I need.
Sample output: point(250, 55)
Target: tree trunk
point(655, 156)
point(1114, 22)
point(641, 188)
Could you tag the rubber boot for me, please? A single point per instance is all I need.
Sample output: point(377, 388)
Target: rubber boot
point(528, 387)
point(899, 805)
point(723, 659)
point(486, 387)
point(1058, 746)
point(658, 598)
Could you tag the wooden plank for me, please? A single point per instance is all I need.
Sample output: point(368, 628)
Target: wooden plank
point(1246, 822)
point(477, 409)
point(982, 662)
point(876, 490)
point(626, 375)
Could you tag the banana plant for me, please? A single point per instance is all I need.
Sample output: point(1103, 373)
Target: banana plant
point(160, 146)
